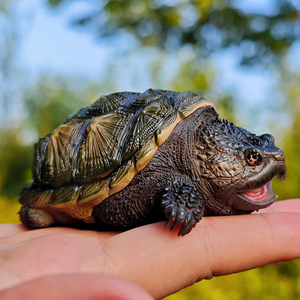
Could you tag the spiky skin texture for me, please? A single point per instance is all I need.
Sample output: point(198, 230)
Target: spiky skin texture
point(199, 170)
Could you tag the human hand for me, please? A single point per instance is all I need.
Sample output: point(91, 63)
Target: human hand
point(150, 256)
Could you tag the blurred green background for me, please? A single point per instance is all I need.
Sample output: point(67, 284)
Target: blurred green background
point(57, 56)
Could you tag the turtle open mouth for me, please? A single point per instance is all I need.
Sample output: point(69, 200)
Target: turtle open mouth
point(257, 192)
point(260, 196)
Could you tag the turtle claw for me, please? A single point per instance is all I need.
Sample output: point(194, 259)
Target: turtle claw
point(182, 204)
point(185, 229)
point(176, 222)
point(168, 221)
point(182, 230)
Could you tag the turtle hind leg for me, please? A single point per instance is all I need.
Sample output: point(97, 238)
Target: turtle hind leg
point(35, 218)
point(43, 217)
point(182, 204)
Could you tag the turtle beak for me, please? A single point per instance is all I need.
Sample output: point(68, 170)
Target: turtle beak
point(257, 191)
point(256, 199)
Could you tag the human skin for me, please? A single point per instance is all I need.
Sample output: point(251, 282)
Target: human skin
point(149, 259)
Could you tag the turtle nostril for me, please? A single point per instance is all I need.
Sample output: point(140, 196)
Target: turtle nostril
point(268, 137)
point(279, 156)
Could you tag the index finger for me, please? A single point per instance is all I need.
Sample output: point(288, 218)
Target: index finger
point(292, 205)
point(163, 263)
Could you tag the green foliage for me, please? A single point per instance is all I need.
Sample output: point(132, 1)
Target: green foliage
point(4, 6)
point(15, 160)
point(291, 188)
point(208, 25)
point(55, 2)
point(198, 77)
point(192, 76)
point(50, 102)
point(291, 138)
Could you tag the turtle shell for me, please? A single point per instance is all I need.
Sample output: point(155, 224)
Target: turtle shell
point(96, 152)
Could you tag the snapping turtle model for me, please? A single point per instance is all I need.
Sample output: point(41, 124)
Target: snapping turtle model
point(131, 159)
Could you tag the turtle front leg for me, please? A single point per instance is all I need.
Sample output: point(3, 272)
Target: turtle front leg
point(182, 204)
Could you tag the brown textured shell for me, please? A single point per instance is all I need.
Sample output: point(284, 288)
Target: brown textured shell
point(96, 152)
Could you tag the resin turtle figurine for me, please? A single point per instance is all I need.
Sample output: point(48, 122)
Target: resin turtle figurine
point(135, 158)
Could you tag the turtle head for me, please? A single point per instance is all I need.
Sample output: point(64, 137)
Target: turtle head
point(236, 166)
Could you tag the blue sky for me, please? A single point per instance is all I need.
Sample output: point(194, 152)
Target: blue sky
point(50, 44)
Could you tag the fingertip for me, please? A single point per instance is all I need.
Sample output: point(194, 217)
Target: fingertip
point(291, 205)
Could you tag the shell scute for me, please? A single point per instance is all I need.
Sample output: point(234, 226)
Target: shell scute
point(123, 176)
point(101, 150)
point(36, 196)
point(63, 195)
point(61, 153)
point(39, 156)
point(188, 102)
point(106, 104)
point(146, 98)
point(98, 189)
point(149, 120)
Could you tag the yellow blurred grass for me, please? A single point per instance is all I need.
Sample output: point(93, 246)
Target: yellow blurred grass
point(9, 209)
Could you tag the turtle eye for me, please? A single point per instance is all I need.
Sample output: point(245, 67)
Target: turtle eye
point(253, 157)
